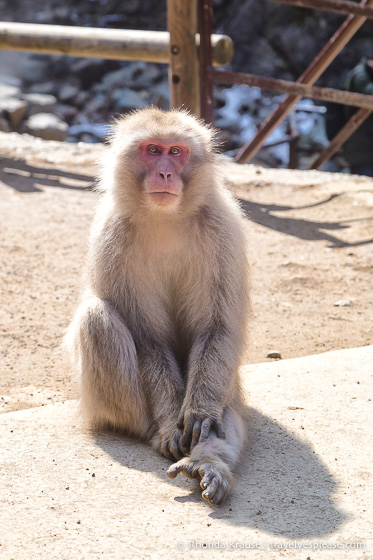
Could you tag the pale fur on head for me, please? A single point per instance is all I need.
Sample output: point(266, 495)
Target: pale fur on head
point(122, 166)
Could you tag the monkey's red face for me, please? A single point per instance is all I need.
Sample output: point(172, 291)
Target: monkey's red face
point(164, 163)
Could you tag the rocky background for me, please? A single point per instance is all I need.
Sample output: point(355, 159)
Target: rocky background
point(74, 99)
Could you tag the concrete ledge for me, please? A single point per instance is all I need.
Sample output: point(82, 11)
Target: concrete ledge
point(305, 480)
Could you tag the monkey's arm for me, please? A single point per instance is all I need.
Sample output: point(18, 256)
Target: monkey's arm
point(165, 389)
point(218, 347)
point(211, 380)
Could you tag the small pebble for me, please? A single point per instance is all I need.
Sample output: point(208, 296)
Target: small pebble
point(343, 303)
point(274, 355)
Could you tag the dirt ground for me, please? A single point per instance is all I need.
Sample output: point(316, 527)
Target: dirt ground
point(311, 236)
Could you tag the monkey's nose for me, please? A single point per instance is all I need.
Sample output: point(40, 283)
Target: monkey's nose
point(165, 176)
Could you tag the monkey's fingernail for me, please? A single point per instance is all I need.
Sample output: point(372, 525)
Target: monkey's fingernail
point(204, 485)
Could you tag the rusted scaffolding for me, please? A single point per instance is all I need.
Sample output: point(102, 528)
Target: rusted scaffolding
point(303, 87)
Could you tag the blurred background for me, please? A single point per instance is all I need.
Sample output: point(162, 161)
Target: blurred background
point(75, 99)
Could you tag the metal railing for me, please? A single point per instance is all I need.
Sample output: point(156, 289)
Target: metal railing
point(303, 87)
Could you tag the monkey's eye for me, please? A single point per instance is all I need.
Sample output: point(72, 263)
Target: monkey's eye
point(153, 149)
point(175, 151)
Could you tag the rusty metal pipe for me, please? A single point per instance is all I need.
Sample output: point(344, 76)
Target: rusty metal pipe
point(337, 6)
point(344, 134)
point(332, 48)
point(116, 44)
point(304, 90)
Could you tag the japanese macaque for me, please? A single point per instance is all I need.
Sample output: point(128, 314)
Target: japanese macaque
point(160, 333)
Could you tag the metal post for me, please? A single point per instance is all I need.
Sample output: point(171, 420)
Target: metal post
point(349, 128)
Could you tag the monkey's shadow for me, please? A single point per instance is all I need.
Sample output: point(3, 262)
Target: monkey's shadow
point(282, 487)
point(307, 230)
point(26, 178)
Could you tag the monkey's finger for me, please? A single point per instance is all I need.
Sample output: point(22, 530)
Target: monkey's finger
point(180, 422)
point(174, 470)
point(209, 493)
point(189, 472)
point(185, 444)
point(205, 478)
point(175, 450)
point(166, 451)
point(189, 424)
point(187, 434)
point(205, 429)
point(218, 495)
point(218, 427)
point(195, 434)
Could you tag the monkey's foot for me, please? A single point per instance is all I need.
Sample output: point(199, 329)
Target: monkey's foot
point(216, 478)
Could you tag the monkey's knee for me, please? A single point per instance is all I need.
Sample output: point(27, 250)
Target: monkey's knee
point(106, 359)
point(97, 331)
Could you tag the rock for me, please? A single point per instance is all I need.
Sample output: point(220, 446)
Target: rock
point(161, 94)
point(95, 104)
point(48, 88)
point(122, 77)
point(8, 90)
point(10, 80)
point(68, 92)
point(47, 126)
point(274, 355)
point(14, 109)
point(99, 131)
point(40, 103)
point(126, 99)
point(66, 112)
point(34, 70)
point(88, 69)
point(144, 77)
point(343, 303)
point(4, 125)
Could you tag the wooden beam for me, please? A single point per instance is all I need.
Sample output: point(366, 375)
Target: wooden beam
point(183, 69)
point(205, 60)
point(95, 42)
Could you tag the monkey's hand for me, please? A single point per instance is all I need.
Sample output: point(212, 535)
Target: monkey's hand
point(196, 429)
point(171, 442)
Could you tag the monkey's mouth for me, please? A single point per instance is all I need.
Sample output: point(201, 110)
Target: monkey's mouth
point(163, 198)
point(162, 192)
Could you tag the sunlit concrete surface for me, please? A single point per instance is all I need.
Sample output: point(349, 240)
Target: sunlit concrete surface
point(304, 484)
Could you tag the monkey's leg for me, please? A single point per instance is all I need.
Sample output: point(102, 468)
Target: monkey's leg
point(105, 355)
point(214, 459)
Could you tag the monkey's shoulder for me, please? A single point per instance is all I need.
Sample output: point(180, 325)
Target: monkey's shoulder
point(223, 220)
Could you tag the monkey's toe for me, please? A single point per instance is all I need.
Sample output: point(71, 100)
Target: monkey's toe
point(216, 486)
point(215, 482)
point(186, 466)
